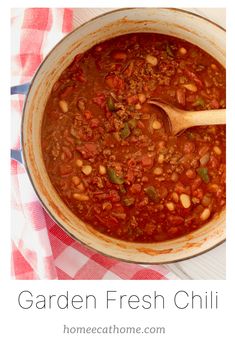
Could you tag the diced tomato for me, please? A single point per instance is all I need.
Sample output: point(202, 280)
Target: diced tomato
point(214, 104)
point(94, 123)
point(132, 162)
point(197, 182)
point(130, 175)
point(147, 161)
point(113, 81)
point(119, 55)
point(99, 48)
point(109, 221)
point(54, 115)
point(87, 114)
point(118, 208)
point(140, 125)
point(78, 58)
point(180, 188)
point(88, 150)
point(180, 94)
point(149, 228)
point(214, 162)
point(189, 147)
point(99, 100)
point(203, 150)
point(128, 71)
point(198, 193)
point(65, 169)
point(73, 67)
point(173, 230)
point(135, 188)
point(176, 220)
point(132, 99)
point(194, 77)
point(190, 173)
point(114, 196)
point(79, 75)
point(66, 92)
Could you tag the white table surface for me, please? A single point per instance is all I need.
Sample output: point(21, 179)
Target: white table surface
point(211, 265)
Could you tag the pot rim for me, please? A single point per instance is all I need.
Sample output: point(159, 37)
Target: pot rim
point(24, 153)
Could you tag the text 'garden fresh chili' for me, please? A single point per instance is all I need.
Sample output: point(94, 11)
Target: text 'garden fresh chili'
point(108, 152)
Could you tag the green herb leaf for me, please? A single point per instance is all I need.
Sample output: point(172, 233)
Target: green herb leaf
point(113, 177)
point(111, 104)
point(203, 173)
point(169, 50)
point(199, 102)
point(125, 132)
point(132, 123)
point(152, 193)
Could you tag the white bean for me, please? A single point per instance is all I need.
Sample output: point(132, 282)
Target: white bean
point(152, 60)
point(63, 106)
point(142, 97)
point(156, 125)
point(191, 87)
point(174, 176)
point(86, 169)
point(158, 171)
point(217, 150)
point(175, 196)
point(76, 180)
point(205, 159)
point(205, 214)
point(182, 51)
point(79, 163)
point(161, 158)
point(170, 206)
point(214, 67)
point(80, 197)
point(185, 200)
point(102, 170)
point(138, 106)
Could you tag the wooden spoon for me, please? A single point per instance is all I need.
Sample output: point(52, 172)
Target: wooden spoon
point(180, 120)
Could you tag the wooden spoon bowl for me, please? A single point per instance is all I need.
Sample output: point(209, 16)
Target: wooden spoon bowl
point(179, 120)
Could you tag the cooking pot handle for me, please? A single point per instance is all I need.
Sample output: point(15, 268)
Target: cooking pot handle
point(20, 89)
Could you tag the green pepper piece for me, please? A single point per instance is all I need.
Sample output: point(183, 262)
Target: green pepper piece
point(199, 102)
point(111, 104)
point(132, 123)
point(125, 132)
point(169, 50)
point(203, 173)
point(129, 201)
point(152, 193)
point(113, 177)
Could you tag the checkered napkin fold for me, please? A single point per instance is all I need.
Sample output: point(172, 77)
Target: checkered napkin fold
point(40, 248)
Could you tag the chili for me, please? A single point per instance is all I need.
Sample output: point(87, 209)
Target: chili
point(108, 152)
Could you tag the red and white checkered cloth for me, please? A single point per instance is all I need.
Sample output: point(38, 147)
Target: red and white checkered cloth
point(40, 249)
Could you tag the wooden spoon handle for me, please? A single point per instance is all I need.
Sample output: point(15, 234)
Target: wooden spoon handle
point(205, 117)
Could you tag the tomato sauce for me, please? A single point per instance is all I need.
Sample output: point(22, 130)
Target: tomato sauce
point(108, 152)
